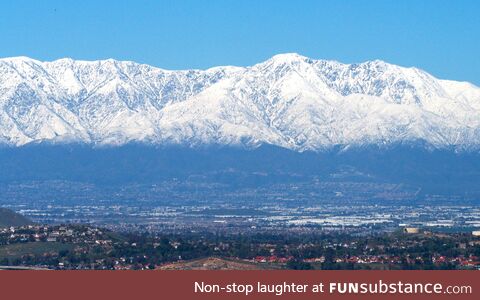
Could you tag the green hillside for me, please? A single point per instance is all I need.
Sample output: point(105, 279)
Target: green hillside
point(11, 218)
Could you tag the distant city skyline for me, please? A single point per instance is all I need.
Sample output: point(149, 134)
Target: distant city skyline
point(441, 37)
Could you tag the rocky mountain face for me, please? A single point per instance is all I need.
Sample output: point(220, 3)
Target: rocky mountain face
point(289, 101)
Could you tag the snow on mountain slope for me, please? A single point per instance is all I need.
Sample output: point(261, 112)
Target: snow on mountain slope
point(289, 100)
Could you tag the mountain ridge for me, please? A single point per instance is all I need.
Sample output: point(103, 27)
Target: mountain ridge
point(10, 218)
point(290, 101)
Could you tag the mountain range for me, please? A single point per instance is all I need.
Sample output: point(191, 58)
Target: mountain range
point(289, 101)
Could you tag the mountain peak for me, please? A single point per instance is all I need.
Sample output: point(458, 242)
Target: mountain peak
point(288, 58)
point(19, 59)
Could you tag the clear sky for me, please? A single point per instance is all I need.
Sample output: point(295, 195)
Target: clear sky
point(441, 37)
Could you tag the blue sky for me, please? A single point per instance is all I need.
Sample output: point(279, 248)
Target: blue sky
point(442, 37)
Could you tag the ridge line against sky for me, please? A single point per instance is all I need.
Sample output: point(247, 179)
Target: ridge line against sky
point(222, 66)
point(440, 37)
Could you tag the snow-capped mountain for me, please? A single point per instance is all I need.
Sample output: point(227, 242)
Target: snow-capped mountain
point(289, 101)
